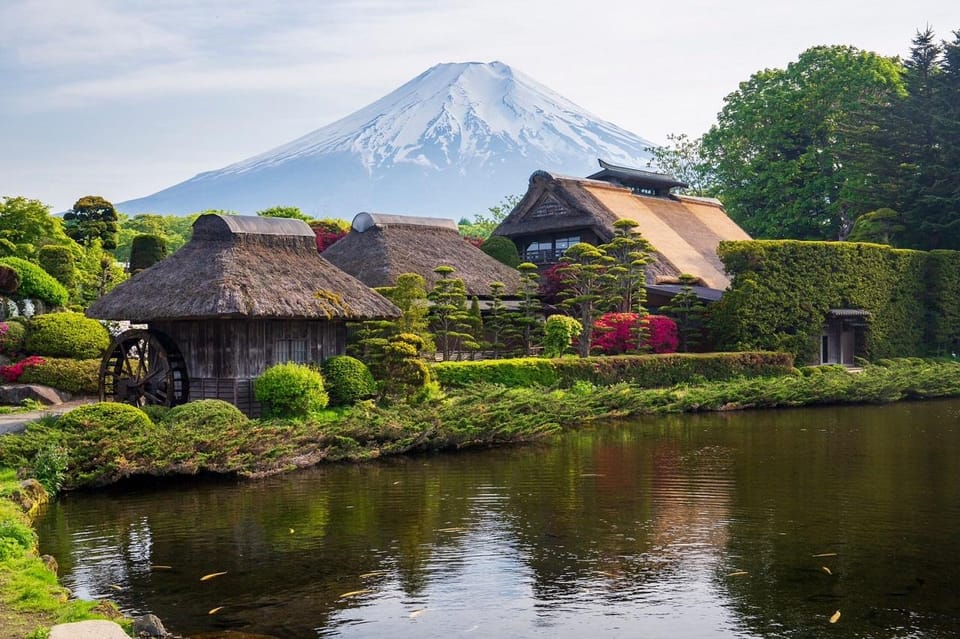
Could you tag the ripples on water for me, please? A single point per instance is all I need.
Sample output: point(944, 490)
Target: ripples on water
point(692, 526)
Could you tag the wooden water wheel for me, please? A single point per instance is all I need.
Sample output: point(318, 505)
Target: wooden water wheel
point(144, 367)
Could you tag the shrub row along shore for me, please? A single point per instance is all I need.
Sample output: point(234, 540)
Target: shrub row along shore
point(105, 443)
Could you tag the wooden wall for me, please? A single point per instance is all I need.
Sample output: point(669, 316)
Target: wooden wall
point(224, 356)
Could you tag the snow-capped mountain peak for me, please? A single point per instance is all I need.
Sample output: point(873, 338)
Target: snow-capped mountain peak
point(455, 128)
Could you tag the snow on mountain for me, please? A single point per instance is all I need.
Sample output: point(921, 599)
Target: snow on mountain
point(449, 143)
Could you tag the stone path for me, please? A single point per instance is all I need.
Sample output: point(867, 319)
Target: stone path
point(16, 422)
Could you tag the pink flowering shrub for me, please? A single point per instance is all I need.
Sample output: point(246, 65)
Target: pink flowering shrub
point(13, 372)
point(616, 333)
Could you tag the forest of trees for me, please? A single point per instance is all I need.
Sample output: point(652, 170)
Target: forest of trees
point(842, 144)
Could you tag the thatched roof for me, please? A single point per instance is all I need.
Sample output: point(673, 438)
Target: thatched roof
point(243, 267)
point(381, 247)
point(685, 231)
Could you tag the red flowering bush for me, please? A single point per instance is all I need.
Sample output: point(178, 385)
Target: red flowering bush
point(616, 333)
point(13, 372)
point(326, 238)
point(552, 283)
point(662, 334)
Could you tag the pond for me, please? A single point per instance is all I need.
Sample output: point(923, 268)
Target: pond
point(747, 524)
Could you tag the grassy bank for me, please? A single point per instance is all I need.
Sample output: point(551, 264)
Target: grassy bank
point(31, 600)
point(109, 443)
point(106, 443)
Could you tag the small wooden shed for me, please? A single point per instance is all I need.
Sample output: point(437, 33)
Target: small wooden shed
point(243, 294)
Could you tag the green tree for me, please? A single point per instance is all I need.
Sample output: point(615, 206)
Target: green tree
point(778, 143)
point(93, 218)
point(527, 317)
point(291, 212)
point(584, 268)
point(687, 311)
point(449, 313)
point(27, 225)
point(410, 296)
point(559, 331)
point(174, 229)
point(98, 273)
point(683, 158)
point(629, 253)
point(483, 225)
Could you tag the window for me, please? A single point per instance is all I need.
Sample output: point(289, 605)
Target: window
point(563, 243)
point(291, 350)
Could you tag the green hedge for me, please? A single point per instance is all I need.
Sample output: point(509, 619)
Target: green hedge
point(650, 371)
point(66, 335)
point(77, 376)
point(36, 283)
point(782, 290)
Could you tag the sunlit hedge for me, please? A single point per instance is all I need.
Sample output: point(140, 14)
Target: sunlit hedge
point(650, 371)
point(782, 290)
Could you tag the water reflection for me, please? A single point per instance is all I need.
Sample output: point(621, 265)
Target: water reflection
point(690, 526)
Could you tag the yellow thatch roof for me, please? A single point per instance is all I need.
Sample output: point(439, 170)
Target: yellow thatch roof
point(685, 231)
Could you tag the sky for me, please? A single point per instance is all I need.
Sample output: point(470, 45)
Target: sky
point(122, 98)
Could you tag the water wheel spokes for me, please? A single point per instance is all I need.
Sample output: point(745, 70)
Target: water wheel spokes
point(144, 367)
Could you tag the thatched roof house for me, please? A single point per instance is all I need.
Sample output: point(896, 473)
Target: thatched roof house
point(559, 211)
point(381, 247)
point(243, 294)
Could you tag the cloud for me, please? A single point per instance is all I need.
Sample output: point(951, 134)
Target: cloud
point(71, 34)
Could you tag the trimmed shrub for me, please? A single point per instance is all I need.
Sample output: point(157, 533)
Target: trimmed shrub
point(77, 376)
point(348, 380)
point(66, 335)
point(205, 414)
point(36, 283)
point(59, 262)
point(146, 250)
point(559, 331)
point(102, 440)
point(290, 390)
point(651, 371)
point(502, 249)
point(12, 335)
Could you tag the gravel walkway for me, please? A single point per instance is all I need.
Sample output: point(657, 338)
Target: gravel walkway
point(16, 422)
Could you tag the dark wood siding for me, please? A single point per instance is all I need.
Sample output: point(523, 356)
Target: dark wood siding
point(224, 356)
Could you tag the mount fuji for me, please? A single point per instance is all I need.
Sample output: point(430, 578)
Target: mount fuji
point(449, 143)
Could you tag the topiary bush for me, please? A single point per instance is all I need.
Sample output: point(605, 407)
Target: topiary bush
point(204, 415)
point(502, 249)
point(66, 335)
point(290, 390)
point(12, 335)
point(77, 376)
point(36, 283)
point(59, 262)
point(348, 380)
point(146, 250)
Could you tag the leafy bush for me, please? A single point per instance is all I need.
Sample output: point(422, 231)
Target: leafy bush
point(404, 371)
point(649, 371)
point(9, 280)
point(36, 283)
point(348, 380)
point(559, 331)
point(205, 414)
point(50, 467)
point(618, 333)
point(12, 335)
point(66, 335)
point(290, 390)
point(77, 376)
point(502, 249)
